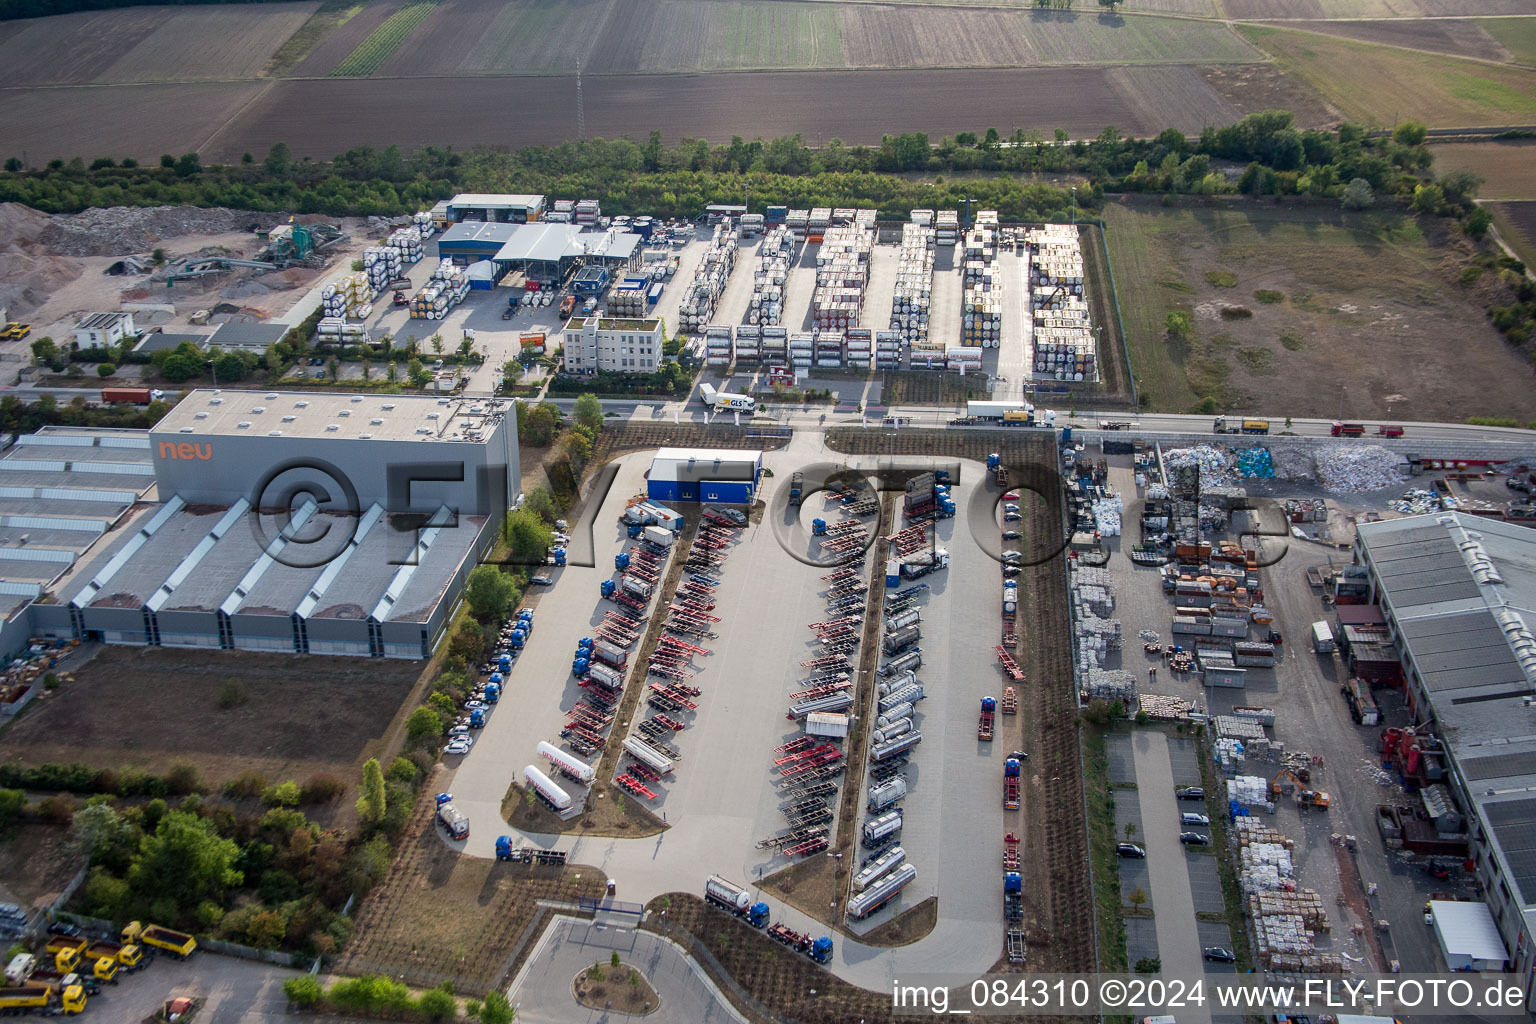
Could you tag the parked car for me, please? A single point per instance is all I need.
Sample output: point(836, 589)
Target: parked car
point(1131, 850)
point(1011, 517)
point(458, 746)
point(734, 515)
point(64, 928)
point(1011, 570)
point(562, 525)
point(543, 579)
point(1011, 496)
point(1010, 507)
point(1019, 755)
point(562, 538)
point(1012, 535)
point(1190, 793)
point(1220, 955)
point(471, 705)
point(458, 730)
point(1190, 818)
point(1012, 556)
point(1194, 839)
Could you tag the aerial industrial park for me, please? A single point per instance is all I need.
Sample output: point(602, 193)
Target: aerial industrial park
point(1042, 521)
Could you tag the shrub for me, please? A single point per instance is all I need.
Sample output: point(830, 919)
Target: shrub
point(105, 369)
point(284, 794)
point(1221, 278)
point(231, 694)
point(50, 681)
point(403, 770)
point(1236, 312)
point(438, 1005)
point(303, 991)
point(321, 788)
point(183, 778)
point(1269, 296)
point(246, 786)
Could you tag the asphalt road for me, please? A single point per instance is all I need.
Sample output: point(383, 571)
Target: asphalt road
point(541, 992)
point(236, 991)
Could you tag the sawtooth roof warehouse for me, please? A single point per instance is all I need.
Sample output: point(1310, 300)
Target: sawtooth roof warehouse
point(395, 498)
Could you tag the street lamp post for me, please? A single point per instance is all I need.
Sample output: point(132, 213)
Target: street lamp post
point(1074, 206)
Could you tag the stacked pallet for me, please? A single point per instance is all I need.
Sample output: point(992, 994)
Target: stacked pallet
point(768, 278)
point(1305, 904)
point(699, 302)
point(914, 282)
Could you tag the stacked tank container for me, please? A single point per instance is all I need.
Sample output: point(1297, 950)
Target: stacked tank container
point(351, 295)
point(797, 221)
point(749, 344)
point(775, 349)
point(842, 274)
point(422, 224)
point(914, 282)
point(382, 264)
point(859, 347)
point(923, 218)
point(817, 224)
point(407, 243)
point(709, 282)
point(802, 350)
point(946, 225)
point(981, 316)
point(963, 357)
point(1064, 341)
point(829, 348)
point(629, 299)
point(719, 345)
point(927, 356)
point(445, 290)
point(588, 211)
point(767, 305)
point(562, 212)
point(888, 346)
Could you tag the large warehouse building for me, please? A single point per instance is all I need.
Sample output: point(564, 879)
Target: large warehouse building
point(544, 252)
point(1458, 594)
point(310, 523)
point(725, 475)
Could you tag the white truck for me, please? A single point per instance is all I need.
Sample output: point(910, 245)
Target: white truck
point(924, 562)
point(725, 399)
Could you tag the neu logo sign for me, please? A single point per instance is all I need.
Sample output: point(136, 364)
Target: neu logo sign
point(186, 450)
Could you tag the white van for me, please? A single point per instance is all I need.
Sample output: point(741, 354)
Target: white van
point(1322, 638)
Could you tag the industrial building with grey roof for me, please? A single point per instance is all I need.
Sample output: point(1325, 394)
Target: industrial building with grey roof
point(345, 524)
point(1458, 593)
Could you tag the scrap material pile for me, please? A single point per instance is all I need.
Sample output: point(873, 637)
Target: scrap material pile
point(1359, 467)
point(1216, 469)
point(1108, 513)
point(1338, 467)
point(1416, 501)
point(1255, 462)
point(124, 229)
point(1248, 791)
point(1286, 919)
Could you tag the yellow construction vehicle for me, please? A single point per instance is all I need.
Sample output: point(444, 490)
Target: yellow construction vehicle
point(1288, 782)
point(14, 331)
point(178, 944)
point(32, 997)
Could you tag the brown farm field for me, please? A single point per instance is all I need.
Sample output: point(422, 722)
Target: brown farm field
point(1261, 10)
point(1381, 85)
point(1508, 169)
point(152, 707)
point(1367, 303)
point(1457, 37)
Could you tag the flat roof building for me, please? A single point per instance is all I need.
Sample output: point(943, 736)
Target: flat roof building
point(725, 475)
point(613, 345)
point(1458, 595)
point(495, 206)
point(99, 329)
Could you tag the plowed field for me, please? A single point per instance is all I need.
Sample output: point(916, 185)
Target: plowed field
point(1462, 37)
point(1508, 169)
point(208, 43)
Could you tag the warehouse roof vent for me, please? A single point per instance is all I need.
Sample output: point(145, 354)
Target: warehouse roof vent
point(332, 426)
point(187, 430)
point(271, 396)
point(345, 412)
point(301, 405)
point(376, 421)
point(258, 410)
point(388, 406)
point(432, 415)
point(289, 419)
point(274, 433)
point(244, 424)
point(357, 398)
point(423, 430)
point(364, 436)
point(215, 401)
point(200, 416)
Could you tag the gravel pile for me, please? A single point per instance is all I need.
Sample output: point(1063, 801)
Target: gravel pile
point(29, 273)
point(1292, 462)
point(1359, 467)
point(124, 230)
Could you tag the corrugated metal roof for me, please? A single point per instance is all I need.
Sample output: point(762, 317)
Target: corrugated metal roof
point(1468, 929)
point(1514, 826)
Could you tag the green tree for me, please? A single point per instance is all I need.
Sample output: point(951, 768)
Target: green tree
point(496, 1009)
point(1358, 195)
point(416, 373)
point(1410, 133)
point(11, 803)
point(188, 165)
point(304, 990)
point(403, 770)
point(578, 448)
point(613, 960)
point(106, 895)
point(44, 350)
point(1427, 198)
point(185, 860)
point(1477, 223)
point(1138, 898)
point(589, 412)
point(490, 592)
point(371, 805)
point(438, 1005)
point(542, 504)
point(539, 427)
point(1149, 964)
point(1179, 326)
point(528, 537)
point(284, 794)
point(424, 724)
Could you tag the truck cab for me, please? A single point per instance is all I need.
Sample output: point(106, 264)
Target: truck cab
point(1347, 429)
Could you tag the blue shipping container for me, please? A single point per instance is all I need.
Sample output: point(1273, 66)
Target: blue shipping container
point(776, 215)
point(654, 295)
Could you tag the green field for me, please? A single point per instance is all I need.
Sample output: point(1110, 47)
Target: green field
point(372, 52)
point(1383, 85)
point(1517, 35)
point(1329, 297)
point(331, 15)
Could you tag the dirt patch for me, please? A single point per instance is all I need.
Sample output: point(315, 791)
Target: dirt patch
point(439, 915)
point(152, 707)
point(36, 863)
point(623, 989)
point(1255, 87)
point(1367, 304)
point(610, 812)
point(907, 927)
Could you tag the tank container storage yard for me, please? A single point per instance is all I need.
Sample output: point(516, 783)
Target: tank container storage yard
point(350, 296)
point(914, 281)
point(444, 291)
point(382, 264)
point(775, 345)
point(981, 318)
point(709, 281)
point(719, 345)
point(946, 225)
point(842, 275)
point(766, 307)
point(888, 346)
point(802, 349)
point(1064, 340)
point(859, 347)
point(749, 344)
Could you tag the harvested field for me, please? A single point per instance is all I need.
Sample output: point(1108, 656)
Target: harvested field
point(342, 40)
point(151, 707)
point(374, 52)
point(1517, 35)
point(1383, 85)
point(562, 38)
point(1508, 169)
point(1517, 223)
point(440, 916)
point(208, 43)
point(328, 17)
point(1368, 303)
point(109, 120)
point(1251, 88)
point(436, 45)
point(1456, 37)
point(1255, 10)
point(858, 107)
point(70, 49)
